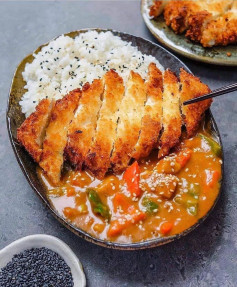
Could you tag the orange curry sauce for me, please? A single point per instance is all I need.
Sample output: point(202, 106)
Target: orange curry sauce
point(150, 200)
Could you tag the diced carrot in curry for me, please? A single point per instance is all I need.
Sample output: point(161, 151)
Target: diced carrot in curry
point(71, 213)
point(132, 217)
point(184, 156)
point(99, 227)
point(132, 177)
point(121, 201)
point(70, 191)
point(212, 177)
point(166, 227)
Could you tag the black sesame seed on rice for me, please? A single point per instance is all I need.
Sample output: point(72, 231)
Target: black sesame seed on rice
point(36, 267)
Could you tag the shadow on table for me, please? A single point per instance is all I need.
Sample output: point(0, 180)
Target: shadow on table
point(166, 265)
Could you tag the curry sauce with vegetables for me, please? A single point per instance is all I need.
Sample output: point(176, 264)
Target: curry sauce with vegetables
point(150, 199)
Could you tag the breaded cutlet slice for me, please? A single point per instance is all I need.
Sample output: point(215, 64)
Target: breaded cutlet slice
point(32, 131)
point(172, 121)
point(222, 30)
point(152, 118)
point(192, 87)
point(176, 14)
point(82, 128)
point(129, 124)
point(98, 157)
point(198, 21)
point(157, 7)
point(56, 135)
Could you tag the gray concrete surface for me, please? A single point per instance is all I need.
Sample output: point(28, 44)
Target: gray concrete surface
point(207, 256)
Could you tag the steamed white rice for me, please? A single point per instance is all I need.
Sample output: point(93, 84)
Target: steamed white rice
point(66, 63)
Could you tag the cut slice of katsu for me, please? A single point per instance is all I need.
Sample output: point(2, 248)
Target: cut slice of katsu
point(198, 21)
point(172, 121)
point(82, 128)
point(192, 87)
point(56, 135)
point(98, 157)
point(176, 14)
point(32, 131)
point(157, 7)
point(222, 30)
point(152, 118)
point(129, 123)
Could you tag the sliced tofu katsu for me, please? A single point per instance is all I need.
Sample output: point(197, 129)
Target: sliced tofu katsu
point(192, 87)
point(82, 128)
point(32, 131)
point(172, 121)
point(130, 122)
point(152, 118)
point(222, 30)
point(98, 157)
point(56, 135)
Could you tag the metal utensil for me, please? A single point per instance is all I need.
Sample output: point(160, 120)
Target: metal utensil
point(218, 92)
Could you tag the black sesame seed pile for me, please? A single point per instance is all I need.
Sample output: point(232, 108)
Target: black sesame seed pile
point(36, 267)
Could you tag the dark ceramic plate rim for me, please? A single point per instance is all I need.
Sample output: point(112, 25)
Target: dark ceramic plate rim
point(79, 232)
point(192, 56)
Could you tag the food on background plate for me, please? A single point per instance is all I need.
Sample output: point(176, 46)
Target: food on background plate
point(121, 157)
point(211, 23)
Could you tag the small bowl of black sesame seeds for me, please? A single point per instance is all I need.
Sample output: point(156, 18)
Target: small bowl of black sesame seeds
point(40, 261)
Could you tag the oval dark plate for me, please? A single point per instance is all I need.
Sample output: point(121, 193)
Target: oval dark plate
point(15, 117)
point(181, 45)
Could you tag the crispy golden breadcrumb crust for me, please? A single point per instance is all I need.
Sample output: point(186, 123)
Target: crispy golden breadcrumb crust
point(152, 119)
point(98, 158)
point(196, 25)
point(106, 124)
point(221, 31)
point(211, 23)
point(56, 135)
point(82, 128)
point(172, 121)
point(156, 8)
point(192, 87)
point(32, 131)
point(129, 125)
point(176, 14)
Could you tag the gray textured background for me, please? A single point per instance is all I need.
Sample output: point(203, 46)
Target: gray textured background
point(207, 256)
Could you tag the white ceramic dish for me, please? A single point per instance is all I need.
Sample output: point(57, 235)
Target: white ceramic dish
point(50, 242)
